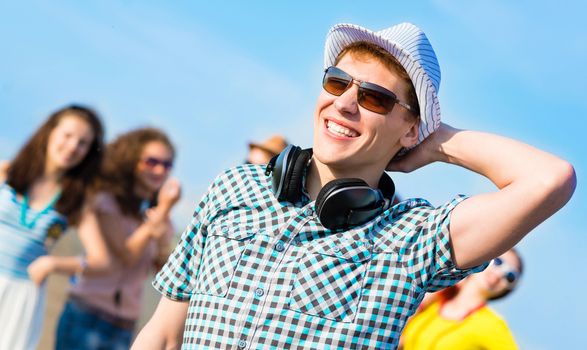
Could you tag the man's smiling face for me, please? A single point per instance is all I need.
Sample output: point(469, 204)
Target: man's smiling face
point(350, 138)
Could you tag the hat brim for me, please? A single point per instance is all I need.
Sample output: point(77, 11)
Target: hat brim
point(261, 147)
point(342, 35)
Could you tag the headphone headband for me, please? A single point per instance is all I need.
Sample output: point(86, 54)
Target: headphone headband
point(341, 203)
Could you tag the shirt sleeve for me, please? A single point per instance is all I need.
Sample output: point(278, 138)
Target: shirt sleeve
point(433, 253)
point(177, 279)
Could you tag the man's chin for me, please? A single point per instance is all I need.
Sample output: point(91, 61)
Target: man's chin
point(334, 162)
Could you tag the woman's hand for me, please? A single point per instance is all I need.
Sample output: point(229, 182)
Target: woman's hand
point(40, 269)
point(157, 221)
point(169, 193)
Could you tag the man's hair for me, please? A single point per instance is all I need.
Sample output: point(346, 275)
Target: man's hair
point(364, 49)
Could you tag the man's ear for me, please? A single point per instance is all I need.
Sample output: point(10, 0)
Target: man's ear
point(410, 137)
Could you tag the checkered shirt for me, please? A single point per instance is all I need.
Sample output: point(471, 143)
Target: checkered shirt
point(263, 274)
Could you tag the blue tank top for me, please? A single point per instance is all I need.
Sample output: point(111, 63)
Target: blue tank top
point(25, 233)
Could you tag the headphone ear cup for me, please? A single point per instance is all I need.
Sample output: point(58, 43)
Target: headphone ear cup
point(332, 186)
point(294, 173)
point(336, 200)
point(387, 188)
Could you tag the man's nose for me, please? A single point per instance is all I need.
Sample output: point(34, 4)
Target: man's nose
point(347, 102)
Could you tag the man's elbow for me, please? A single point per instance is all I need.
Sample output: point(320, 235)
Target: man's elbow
point(561, 182)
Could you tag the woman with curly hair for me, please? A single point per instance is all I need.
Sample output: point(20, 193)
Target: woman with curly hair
point(42, 190)
point(132, 202)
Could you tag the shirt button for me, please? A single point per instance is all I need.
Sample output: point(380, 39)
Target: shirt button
point(308, 212)
point(279, 246)
point(259, 292)
point(242, 344)
point(224, 229)
point(336, 249)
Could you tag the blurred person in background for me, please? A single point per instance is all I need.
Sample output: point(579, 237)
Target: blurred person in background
point(42, 191)
point(132, 202)
point(261, 153)
point(458, 317)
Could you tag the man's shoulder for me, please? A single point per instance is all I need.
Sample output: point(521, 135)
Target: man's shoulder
point(241, 178)
point(416, 205)
point(416, 215)
point(409, 207)
point(249, 172)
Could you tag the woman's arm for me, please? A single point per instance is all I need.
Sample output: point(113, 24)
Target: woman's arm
point(163, 248)
point(96, 258)
point(129, 249)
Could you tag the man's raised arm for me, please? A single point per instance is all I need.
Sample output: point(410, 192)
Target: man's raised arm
point(532, 185)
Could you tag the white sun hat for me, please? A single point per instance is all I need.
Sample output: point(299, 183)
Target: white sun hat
point(410, 46)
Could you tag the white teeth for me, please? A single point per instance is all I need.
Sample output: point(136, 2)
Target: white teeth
point(340, 130)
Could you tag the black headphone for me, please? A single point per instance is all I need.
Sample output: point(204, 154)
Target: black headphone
point(341, 203)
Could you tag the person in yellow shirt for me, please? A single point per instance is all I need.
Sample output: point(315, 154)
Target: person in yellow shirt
point(458, 317)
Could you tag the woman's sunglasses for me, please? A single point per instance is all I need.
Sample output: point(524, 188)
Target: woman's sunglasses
point(372, 97)
point(510, 274)
point(152, 162)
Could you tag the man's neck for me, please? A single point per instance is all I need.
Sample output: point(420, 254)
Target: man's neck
point(320, 174)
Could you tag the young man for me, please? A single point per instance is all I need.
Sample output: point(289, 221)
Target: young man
point(255, 270)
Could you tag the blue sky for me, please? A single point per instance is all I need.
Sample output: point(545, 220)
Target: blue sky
point(216, 75)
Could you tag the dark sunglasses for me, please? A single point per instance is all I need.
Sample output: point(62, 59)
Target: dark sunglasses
point(509, 273)
point(372, 97)
point(152, 162)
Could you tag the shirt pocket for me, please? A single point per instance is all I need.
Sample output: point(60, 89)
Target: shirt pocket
point(329, 279)
point(223, 250)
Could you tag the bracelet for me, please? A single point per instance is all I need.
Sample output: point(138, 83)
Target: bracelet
point(83, 263)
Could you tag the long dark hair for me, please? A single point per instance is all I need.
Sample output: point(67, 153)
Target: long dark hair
point(118, 173)
point(29, 163)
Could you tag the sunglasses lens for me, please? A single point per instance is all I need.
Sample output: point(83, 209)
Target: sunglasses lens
point(510, 277)
point(151, 162)
point(371, 96)
point(335, 82)
point(375, 101)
